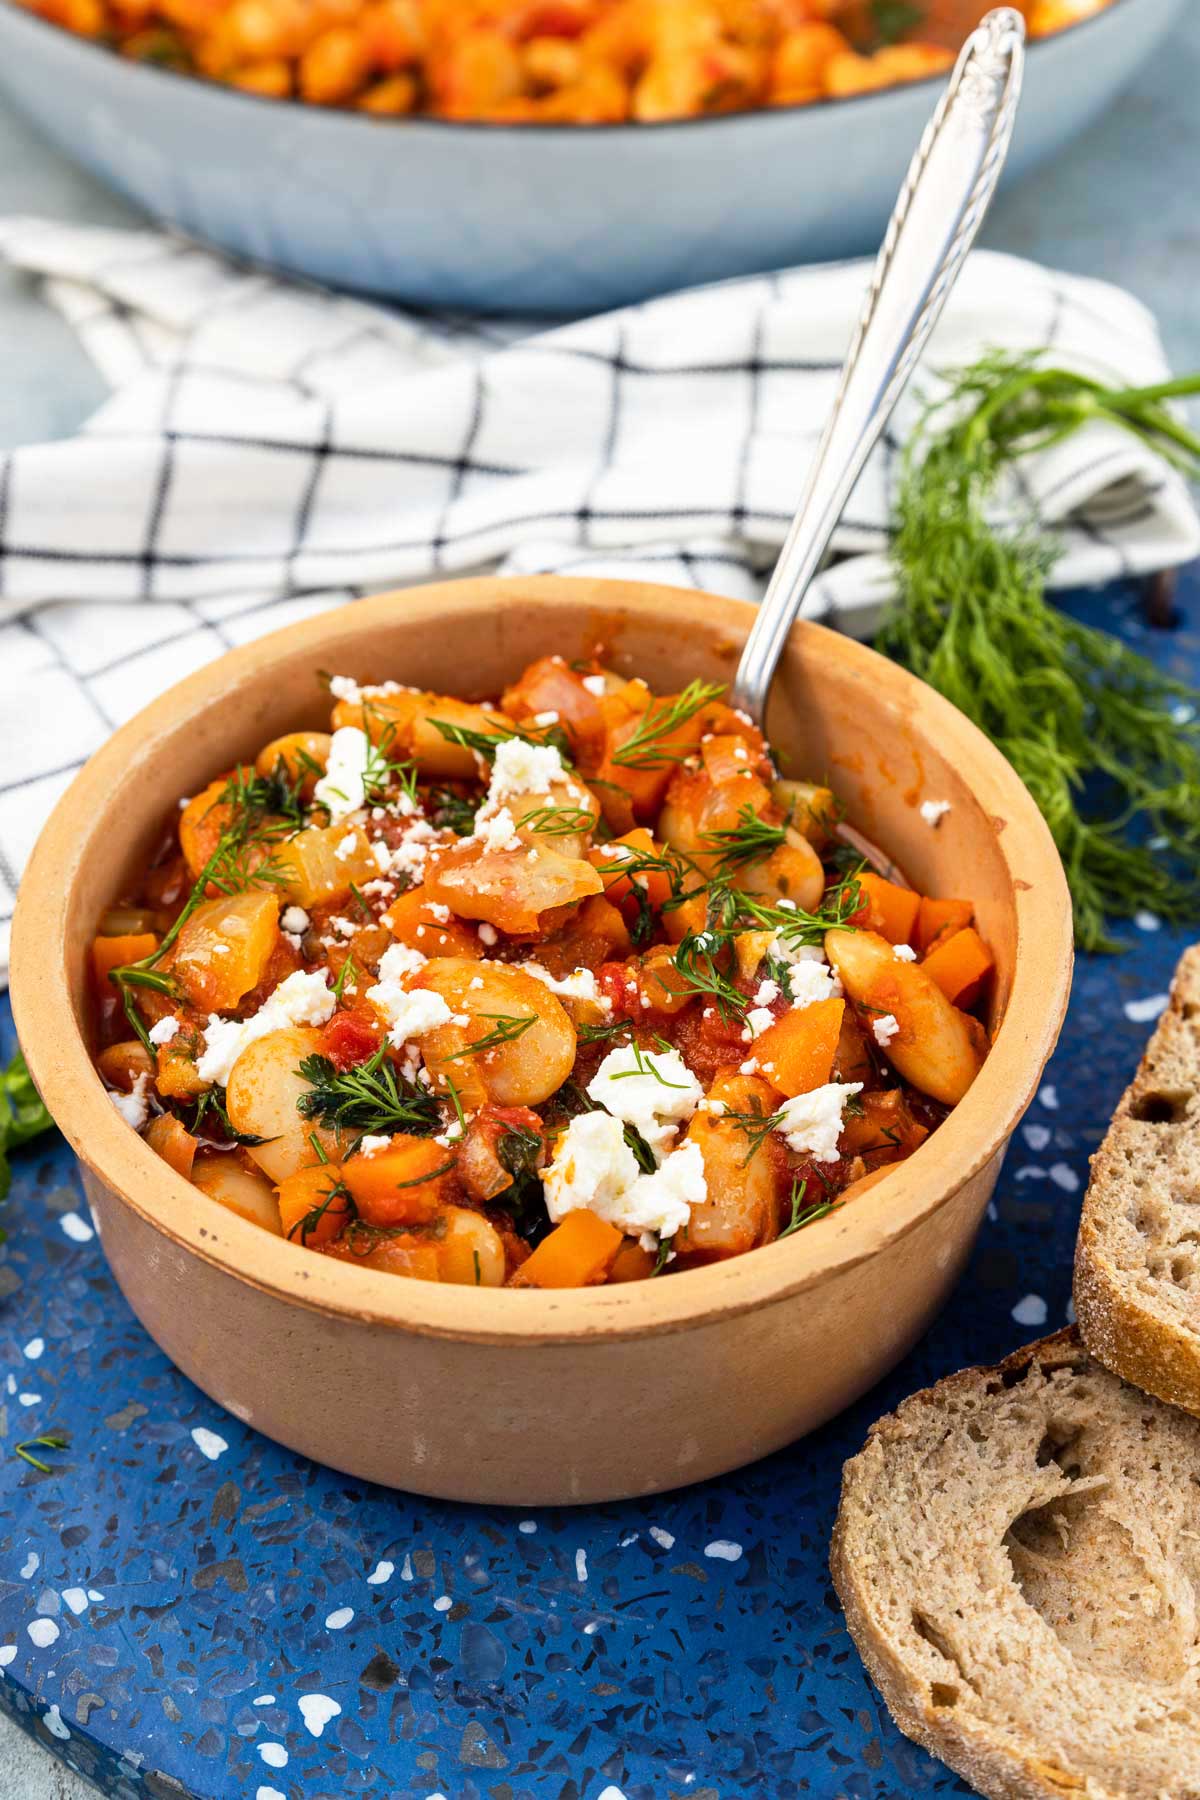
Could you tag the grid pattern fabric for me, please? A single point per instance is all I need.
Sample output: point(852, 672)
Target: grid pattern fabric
point(270, 449)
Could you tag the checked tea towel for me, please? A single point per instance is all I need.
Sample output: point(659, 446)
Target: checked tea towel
point(270, 449)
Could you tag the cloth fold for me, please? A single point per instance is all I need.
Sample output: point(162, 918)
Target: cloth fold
point(270, 449)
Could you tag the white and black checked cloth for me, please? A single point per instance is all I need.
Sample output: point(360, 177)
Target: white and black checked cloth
point(270, 449)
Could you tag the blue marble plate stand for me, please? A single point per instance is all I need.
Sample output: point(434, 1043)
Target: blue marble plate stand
point(187, 1609)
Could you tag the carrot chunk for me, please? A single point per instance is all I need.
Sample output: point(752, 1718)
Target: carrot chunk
point(796, 1053)
point(935, 916)
point(401, 1185)
point(960, 963)
point(114, 952)
point(313, 1205)
point(576, 1253)
point(892, 910)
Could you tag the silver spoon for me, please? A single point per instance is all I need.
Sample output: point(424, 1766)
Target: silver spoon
point(941, 206)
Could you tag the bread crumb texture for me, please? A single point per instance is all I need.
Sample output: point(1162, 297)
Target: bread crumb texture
point(1137, 1263)
point(1018, 1554)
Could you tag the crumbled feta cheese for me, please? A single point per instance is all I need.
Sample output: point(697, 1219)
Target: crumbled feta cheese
point(295, 920)
point(593, 1167)
point(749, 1067)
point(400, 960)
point(346, 848)
point(543, 719)
point(345, 928)
point(438, 911)
point(809, 981)
point(885, 1026)
point(220, 950)
point(581, 985)
point(409, 1015)
point(302, 999)
point(343, 687)
point(476, 981)
point(812, 1122)
point(758, 1020)
point(768, 991)
point(164, 1031)
point(904, 953)
point(934, 811)
point(369, 1145)
point(498, 832)
point(341, 786)
point(487, 933)
point(595, 684)
point(652, 1090)
point(134, 1107)
point(521, 768)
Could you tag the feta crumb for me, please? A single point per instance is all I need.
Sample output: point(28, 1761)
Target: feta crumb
point(497, 833)
point(438, 911)
point(543, 719)
point(295, 920)
point(302, 999)
point(652, 1090)
point(934, 811)
point(758, 1020)
point(341, 786)
point(399, 961)
point(594, 1168)
point(813, 1122)
point(768, 991)
point(595, 684)
point(487, 933)
point(165, 1030)
point(581, 985)
point(369, 1145)
point(346, 848)
point(811, 981)
point(904, 953)
point(749, 1067)
point(885, 1027)
point(133, 1107)
point(521, 768)
point(342, 687)
point(409, 1015)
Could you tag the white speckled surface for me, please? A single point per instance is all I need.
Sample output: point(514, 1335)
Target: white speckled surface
point(1121, 204)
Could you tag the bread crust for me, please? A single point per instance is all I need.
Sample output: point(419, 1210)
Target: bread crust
point(966, 1745)
point(1152, 1347)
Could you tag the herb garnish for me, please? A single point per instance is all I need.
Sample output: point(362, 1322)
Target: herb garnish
point(506, 1030)
point(370, 1098)
point(805, 1215)
point(1108, 746)
point(50, 1440)
point(645, 749)
point(337, 1190)
point(558, 821)
point(22, 1116)
point(484, 742)
point(453, 812)
point(748, 841)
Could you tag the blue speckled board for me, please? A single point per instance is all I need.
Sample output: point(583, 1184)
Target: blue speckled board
point(187, 1609)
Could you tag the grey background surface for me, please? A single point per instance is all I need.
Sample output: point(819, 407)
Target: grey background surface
point(1121, 203)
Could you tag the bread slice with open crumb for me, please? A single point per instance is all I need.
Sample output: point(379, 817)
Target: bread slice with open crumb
point(1137, 1261)
point(1018, 1553)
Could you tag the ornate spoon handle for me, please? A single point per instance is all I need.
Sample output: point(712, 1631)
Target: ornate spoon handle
point(940, 209)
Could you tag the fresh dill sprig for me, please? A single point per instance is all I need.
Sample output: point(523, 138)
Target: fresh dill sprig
point(484, 742)
point(645, 748)
point(696, 960)
point(347, 976)
point(506, 1030)
point(748, 841)
point(756, 1125)
point(212, 1100)
point(519, 1151)
point(731, 909)
point(309, 1221)
point(1108, 746)
point(595, 1034)
point(368, 1098)
point(558, 821)
point(452, 811)
point(49, 1440)
point(643, 1065)
point(265, 805)
point(805, 1215)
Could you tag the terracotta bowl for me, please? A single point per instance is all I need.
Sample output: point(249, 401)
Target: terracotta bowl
point(543, 1397)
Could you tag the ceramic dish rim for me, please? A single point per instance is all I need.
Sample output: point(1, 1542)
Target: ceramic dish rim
point(61, 1064)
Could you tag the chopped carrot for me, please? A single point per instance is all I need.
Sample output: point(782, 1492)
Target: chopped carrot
point(960, 963)
point(655, 884)
point(576, 1253)
point(892, 910)
point(632, 1263)
point(313, 1205)
point(114, 952)
point(796, 1053)
point(401, 1185)
point(934, 916)
point(415, 919)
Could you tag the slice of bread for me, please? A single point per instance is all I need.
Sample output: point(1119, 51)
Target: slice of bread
point(1018, 1553)
point(1137, 1261)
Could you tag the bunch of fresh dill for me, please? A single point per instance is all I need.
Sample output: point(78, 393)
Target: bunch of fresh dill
point(1108, 746)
